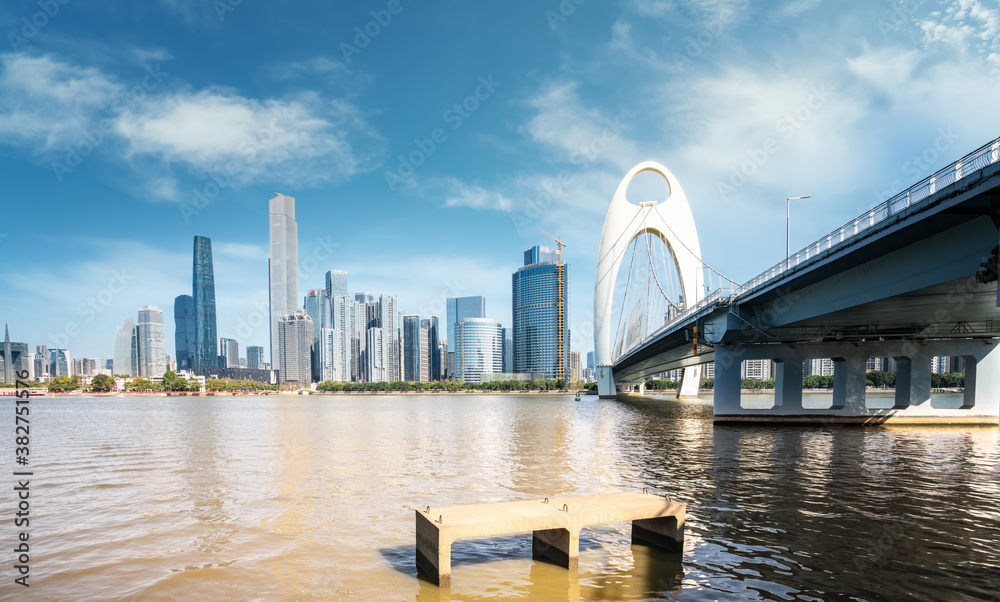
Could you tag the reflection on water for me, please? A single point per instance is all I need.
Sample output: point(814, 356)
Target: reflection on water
point(310, 497)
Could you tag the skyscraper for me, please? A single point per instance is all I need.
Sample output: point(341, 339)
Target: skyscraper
point(229, 351)
point(283, 265)
point(184, 331)
point(317, 306)
point(60, 363)
point(8, 373)
point(458, 309)
point(336, 283)
point(375, 368)
point(151, 354)
point(344, 324)
point(42, 362)
point(295, 337)
point(434, 349)
point(125, 350)
point(255, 357)
point(575, 366)
point(206, 344)
point(414, 349)
point(508, 350)
point(478, 349)
point(390, 321)
point(539, 343)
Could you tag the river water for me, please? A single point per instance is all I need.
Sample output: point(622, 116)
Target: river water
point(312, 497)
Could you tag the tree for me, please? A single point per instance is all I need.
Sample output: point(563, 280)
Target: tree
point(102, 383)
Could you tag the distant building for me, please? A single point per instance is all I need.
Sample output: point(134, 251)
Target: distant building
point(150, 342)
point(125, 349)
point(575, 366)
point(230, 353)
point(317, 306)
point(375, 364)
point(540, 344)
point(283, 265)
point(14, 357)
point(458, 309)
point(817, 367)
point(478, 349)
point(255, 357)
point(295, 336)
point(41, 359)
point(184, 329)
point(344, 321)
point(206, 343)
point(328, 356)
point(336, 283)
point(60, 363)
point(434, 349)
point(415, 355)
point(757, 369)
point(508, 350)
point(590, 359)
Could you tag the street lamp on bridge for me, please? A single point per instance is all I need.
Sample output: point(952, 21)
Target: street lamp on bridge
point(788, 222)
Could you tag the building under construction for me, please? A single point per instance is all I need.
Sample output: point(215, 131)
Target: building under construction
point(541, 314)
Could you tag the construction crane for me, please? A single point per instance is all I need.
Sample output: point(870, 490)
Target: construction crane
point(560, 309)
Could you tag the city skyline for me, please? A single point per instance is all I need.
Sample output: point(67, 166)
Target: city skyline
point(556, 124)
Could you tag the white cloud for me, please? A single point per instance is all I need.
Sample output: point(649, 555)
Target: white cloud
point(476, 197)
point(798, 7)
point(319, 65)
point(46, 102)
point(305, 139)
point(964, 25)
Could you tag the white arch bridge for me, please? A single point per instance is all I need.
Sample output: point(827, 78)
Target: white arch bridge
point(912, 279)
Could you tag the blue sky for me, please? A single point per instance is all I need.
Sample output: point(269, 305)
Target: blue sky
point(126, 128)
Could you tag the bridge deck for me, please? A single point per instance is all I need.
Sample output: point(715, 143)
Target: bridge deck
point(555, 524)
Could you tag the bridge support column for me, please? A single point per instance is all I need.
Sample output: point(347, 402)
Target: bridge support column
point(561, 546)
point(788, 382)
point(690, 383)
point(727, 380)
point(606, 383)
point(849, 384)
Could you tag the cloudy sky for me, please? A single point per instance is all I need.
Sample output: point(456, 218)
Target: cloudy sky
point(427, 143)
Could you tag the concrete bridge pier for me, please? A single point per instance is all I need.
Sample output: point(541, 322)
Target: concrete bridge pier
point(911, 404)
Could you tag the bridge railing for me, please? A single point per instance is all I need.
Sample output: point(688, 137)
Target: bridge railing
point(911, 197)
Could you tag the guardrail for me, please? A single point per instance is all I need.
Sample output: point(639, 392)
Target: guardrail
point(914, 196)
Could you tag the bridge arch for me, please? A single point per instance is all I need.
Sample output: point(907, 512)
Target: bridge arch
point(670, 220)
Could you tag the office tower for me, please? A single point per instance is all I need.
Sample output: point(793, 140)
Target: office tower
point(317, 307)
point(255, 357)
point(229, 351)
point(41, 362)
point(590, 359)
point(540, 345)
point(125, 349)
point(415, 356)
point(478, 349)
point(508, 350)
point(283, 264)
point(434, 349)
point(575, 366)
point(206, 343)
point(184, 331)
point(60, 363)
point(336, 283)
point(15, 359)
point(295, 337)
point(364, 297)
point(150, 343)
point(328, 356)
point(375, 365)
point(458, 309)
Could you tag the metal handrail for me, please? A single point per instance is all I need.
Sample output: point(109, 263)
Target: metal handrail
point(914, 196)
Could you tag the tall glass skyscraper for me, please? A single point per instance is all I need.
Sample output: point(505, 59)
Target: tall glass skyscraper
point(460, 308)
point(336, 283)
point(184, 331)
point(255, 357)
point(317, 306)
point(283, 265)
point(537, 337)
point(415, 355)
point(151, 354)
point(125, 350)
point(478, 349)
point(206, 342)
point(229, 351)
point(434, 349)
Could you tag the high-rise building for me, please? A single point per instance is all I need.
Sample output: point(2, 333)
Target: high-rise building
point(125, 350)
point(229, 351)
point(540, 345)
point(415, 356)
point(336, 283)
point(206, 343)
point(60, 363)
point(375, 364)
point(757, 369)
point(328, 356)
point(434, 349)
point(590, 359)
point(184, 331)
point(150, 341)
point(508, 350)
point(317, 306)
point(364, 297)
point(425, 351)
point(295, 337)
point(478, 349)
point(575, 366)
point(41, 359)
point(390, 321)
point(343, 320)
point(255, 357)
point(15, 359)
point(458, 309)
point(283, 264)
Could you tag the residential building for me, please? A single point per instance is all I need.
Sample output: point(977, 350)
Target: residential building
point(328, 354)
point(282, 265)
point(295, 337)
point(757, 369)
point(415, 348)
point(150, 342)
point(575, 367)
point(541, 314)
point(478, 349)
point(375, 364)
point(184, 329)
